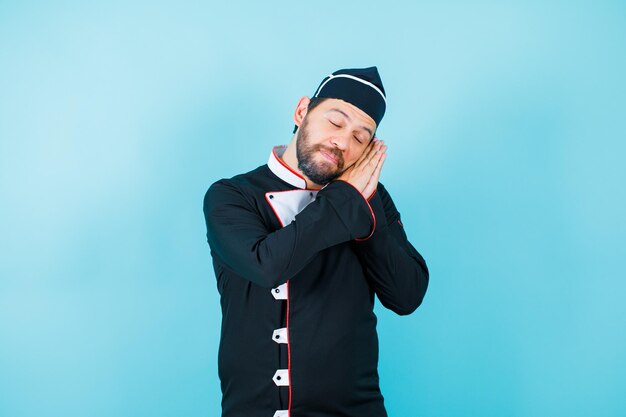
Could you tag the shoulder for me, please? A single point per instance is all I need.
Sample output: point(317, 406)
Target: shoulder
point(246, 187)
point(238, 182)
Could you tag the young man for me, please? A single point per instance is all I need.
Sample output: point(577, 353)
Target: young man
point(300, 247)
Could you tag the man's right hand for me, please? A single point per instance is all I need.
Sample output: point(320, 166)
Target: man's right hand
point(364, 174)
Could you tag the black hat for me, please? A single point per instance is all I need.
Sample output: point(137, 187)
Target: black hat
point(361, 87)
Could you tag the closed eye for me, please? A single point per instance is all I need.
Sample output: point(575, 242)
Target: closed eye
point(357, 139)
point(334, 124)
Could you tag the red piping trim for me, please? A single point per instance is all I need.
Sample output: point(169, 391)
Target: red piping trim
point(285, 165)
point(297, 174)
point(372, 196)
point(288, 351)
point(361, 239)
point(287, 320)
point(267, 197)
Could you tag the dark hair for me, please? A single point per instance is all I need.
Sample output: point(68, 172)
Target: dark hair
point(315, 101)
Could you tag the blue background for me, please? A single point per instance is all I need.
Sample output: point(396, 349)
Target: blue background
point(506, 136)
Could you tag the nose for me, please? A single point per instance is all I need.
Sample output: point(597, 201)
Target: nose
point(340, 141)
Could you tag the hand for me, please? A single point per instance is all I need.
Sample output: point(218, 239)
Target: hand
point(364, 174)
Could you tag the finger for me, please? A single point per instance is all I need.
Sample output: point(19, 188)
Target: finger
point(370, 162)
point(379, 167)
point(372, 183)
point(368, 168)
point(375, 157)
point(368, 152)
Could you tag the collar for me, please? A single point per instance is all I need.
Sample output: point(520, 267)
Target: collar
point(282, 170)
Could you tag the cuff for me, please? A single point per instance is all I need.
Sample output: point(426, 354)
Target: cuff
point(369, 208)
point(375, 204)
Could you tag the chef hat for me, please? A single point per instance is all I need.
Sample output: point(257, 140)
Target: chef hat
point(361, 87)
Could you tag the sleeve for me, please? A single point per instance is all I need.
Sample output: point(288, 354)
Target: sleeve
point(396, 271)
point(240, 238)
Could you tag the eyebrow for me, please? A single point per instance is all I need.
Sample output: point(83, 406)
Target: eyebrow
point(349, 119)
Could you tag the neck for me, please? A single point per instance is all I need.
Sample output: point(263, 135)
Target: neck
point(290, 157)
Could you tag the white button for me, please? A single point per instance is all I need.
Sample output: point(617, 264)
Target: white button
point(280, 293)
point(281, 413)
point(280, 335)
point(281, 377)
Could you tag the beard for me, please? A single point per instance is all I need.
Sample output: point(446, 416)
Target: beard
point(319, 172)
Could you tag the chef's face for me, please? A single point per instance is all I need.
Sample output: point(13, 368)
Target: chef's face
point(331, 138)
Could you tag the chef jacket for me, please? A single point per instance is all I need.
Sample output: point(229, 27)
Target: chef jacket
point(297, 270)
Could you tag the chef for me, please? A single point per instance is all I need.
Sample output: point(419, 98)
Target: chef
point(302, 246)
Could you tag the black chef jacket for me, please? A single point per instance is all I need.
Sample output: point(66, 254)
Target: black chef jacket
point(297, 270)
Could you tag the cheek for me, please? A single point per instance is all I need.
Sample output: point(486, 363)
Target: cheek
point(350, 159)
point(356, 153)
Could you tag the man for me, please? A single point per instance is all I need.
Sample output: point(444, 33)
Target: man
point(300, 247)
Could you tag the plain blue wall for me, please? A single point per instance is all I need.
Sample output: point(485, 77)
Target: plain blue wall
point(506, 138)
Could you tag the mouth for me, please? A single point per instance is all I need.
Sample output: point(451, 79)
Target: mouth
point(329, 156)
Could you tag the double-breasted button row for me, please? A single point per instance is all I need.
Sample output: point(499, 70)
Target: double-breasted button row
point(281, 377)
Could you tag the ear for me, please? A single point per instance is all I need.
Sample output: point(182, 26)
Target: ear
point(301, 108)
